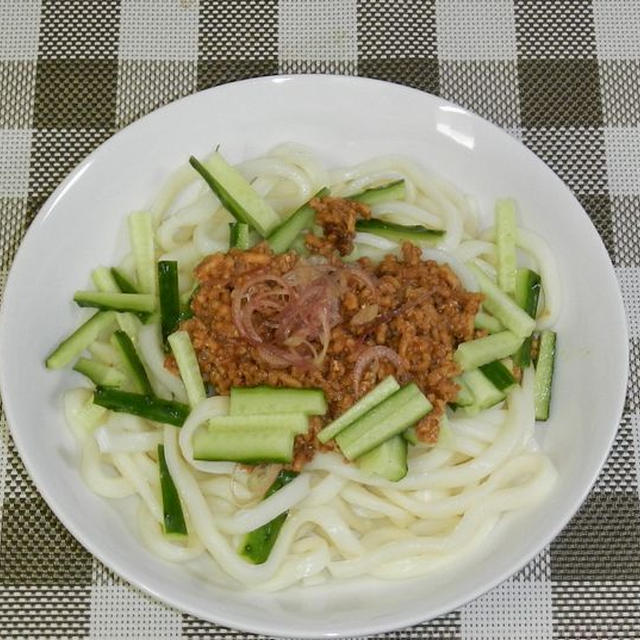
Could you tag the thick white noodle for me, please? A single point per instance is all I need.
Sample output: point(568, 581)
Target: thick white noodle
point(152, 355)
point(208, 408)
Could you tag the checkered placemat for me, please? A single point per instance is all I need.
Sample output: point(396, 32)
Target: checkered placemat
point(564, 76)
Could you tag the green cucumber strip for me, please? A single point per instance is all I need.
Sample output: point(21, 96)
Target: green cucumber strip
point(378, 394)
point(169, 297)
point(410, 435)
point(248, 445)
point(388, 460)
point(464, 397)
point(257, 544)
point(502, 307)
point(283, 237)
point(264, 399)
point(100, 373)
point(129, 323)
point(506, 234)
point(415, 233)
point(475, 353)
point(71, 347)
point(143, 246)
point(239, 236)
point(124, 284)
point(103, 280)
point(106, 300)
point(485, 393)
point(499, 375)
point(377, 195)
point(236, 194)
point(487, 322)
point(296, 423)
point(143, 405)
point(526, 295)
point(187, 360)
point(543, 380)
point(131, 362)
point(389, 418)
point(173, 516)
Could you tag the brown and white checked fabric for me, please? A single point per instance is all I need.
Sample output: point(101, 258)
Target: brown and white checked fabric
point(564, 77)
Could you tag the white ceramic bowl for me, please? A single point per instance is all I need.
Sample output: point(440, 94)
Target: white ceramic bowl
point(346, 120)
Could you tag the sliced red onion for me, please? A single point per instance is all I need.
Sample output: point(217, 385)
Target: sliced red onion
point(374, 353)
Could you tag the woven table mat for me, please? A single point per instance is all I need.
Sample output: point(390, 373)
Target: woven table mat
point(563, 77)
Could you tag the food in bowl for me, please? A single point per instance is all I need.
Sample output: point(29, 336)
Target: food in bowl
point(316, 374)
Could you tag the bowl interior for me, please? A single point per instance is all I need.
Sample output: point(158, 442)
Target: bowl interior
point(82, 225)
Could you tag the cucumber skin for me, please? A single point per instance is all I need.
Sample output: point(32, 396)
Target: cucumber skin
point(238, 236)
point(388, 460)
point(100, 373)
point(377, 195)
point(417, 234)
point(174, 523)
point(544, 374)
point(109, 301)
point(527, 294)
point(498, 374)
point(145, 406)
point(80, 339)
point(257, 544)
point(132, 363)
point(169, 297)
point(285, 234)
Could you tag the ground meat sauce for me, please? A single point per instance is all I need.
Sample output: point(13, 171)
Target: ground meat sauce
point(418, 309)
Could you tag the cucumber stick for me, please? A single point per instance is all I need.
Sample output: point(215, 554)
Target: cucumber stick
point(506, 235)
point(499, 375)
point(263, 399)
point(526, 295)
point(131, 363)
point(388, 460)
point(416, 233)
point(389, 418)
point(379, 393)
point(236, 194)
point(377, 195)
point(70, 348)
point(475, 353)
point(169, 297)
point(104, 281)
point(100, 373)
point(283, 236)
point(187, 360)
point(502, 307)
point(143, 246)
point(484, 392)
point(124, 284)
point(257, 544)
point(487, 322)
point(239, 236)
point(248, 445)
point(173, 516)
point(544, 374)
point(143, 405)
point(108, 300)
